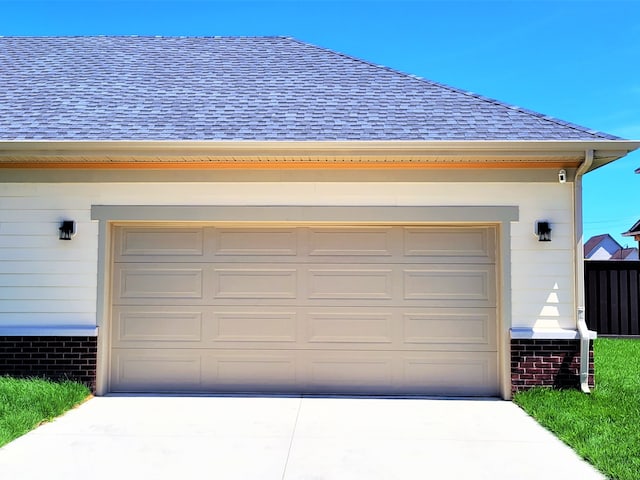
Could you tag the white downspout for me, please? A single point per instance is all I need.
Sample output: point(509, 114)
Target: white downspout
point(584, 333)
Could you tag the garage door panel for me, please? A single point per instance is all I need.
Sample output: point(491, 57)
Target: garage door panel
point(350, 283)
point(241, 368)
point(472, 283)
point(377, 242)
point(148, 326)
point(349, 371)
point(452, 373)
point(159, 370)
point(254, 326)
point(255, 283)
point(449, 373)
point(349, 327)
point(474, 326)
point(473, 244)
point(140, 281)
point(310, 328)
point(255, 242)
point(151, 242)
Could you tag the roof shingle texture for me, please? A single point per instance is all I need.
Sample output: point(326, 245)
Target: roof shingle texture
point(237, 88)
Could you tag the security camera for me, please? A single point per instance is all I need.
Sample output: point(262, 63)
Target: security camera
point(562, 176)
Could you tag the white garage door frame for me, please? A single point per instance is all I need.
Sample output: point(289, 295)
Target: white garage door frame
point(110, 216)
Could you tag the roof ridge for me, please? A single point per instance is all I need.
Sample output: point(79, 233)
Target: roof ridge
point(468, 93)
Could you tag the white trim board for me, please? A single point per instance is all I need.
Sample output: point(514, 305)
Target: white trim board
point(306, 214)
point(547, 334)
point(49, 331)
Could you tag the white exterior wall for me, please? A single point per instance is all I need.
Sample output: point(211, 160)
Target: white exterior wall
point(48, 282)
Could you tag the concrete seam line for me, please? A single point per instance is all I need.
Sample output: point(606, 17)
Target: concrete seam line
point(293, 434)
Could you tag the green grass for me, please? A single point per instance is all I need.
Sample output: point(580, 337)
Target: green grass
point(26, 403)
point(604, 427)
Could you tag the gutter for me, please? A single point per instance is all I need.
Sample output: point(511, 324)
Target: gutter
point(569, 152)
point(584, 334)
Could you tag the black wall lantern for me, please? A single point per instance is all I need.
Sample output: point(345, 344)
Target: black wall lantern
point(67, 229)
point(543, 231)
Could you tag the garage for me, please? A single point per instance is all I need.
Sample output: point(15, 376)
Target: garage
point(376, 309)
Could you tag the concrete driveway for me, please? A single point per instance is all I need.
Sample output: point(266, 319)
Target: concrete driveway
point(166, 437)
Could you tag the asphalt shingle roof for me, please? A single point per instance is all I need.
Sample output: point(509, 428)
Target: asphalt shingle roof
point(237, 88)
point(624, 253)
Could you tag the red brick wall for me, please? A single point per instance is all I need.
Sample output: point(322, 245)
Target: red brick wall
point(547, 363)
point(55, 358)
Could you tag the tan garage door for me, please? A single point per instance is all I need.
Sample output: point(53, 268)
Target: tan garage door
point(405, 310)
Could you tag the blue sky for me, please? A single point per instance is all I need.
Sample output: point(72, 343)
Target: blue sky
point(578, 60)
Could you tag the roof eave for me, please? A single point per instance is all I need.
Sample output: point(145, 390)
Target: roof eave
point(634, 231)
point(36, 151)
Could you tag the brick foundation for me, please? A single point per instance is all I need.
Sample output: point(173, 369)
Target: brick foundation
point(55, 358)
point(547, 363)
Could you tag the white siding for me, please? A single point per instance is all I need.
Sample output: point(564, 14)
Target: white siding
point(45, 281)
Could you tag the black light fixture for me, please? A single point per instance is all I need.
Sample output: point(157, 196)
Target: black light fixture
point(543, 231)
point(67, 229)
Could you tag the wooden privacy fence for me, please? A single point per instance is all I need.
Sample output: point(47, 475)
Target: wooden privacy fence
point(612, 290)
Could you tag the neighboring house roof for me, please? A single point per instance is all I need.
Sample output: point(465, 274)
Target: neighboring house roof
point(238, 88)
point(634, 230)
point(600, 247)
point(625, 254)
